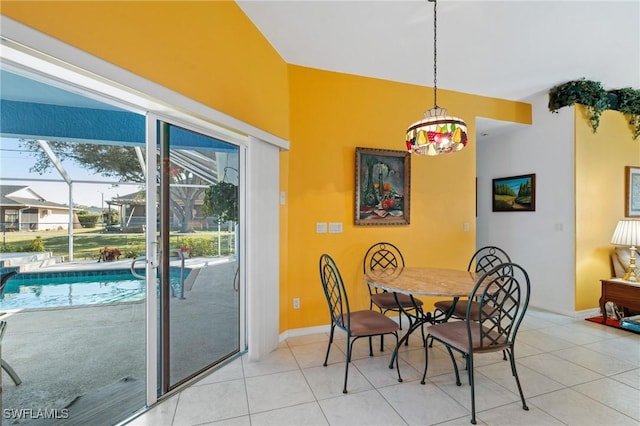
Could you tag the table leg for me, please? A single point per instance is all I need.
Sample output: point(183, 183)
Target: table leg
point(419, 321)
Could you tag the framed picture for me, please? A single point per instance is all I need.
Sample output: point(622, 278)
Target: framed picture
point(514, 194)
point(632, 191)
point(382, 187)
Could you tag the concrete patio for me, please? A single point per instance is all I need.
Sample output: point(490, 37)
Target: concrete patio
point(63, 353)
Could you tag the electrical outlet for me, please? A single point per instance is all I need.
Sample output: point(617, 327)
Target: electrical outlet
point(296, 303)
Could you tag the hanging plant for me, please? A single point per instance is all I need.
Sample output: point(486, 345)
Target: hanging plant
point(221, 201)
point(628, 103)
point(589, 93)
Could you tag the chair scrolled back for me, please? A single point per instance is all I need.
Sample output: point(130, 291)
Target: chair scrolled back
point(334, 291)
point(503, 294)
point(487, 258)
point(382, 256)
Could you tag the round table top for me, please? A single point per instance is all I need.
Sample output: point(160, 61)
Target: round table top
point(424, 281)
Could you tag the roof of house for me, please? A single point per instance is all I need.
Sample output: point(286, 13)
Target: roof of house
point(9, 197)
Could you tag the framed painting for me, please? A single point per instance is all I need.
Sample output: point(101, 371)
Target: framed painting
point(514, 194)
point(632, 191)
point(382, 187)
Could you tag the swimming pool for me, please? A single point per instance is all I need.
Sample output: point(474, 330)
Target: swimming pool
point(37, 291)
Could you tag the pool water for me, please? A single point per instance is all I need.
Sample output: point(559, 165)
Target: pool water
point(65, 291)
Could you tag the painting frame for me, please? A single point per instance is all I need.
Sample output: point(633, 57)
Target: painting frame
point(382, 187)
point(632, 191)
point(506, 197)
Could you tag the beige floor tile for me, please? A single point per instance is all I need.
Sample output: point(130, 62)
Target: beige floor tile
point(195, 404)
point(308, 414)
point(514, 415)
point(573, 408)
point(558, 369)
point(278, 390)
point(277, 361)
point(595, 361)
point(572, 372)
point(422, 404)
point(327, 382)
point(362, 408)
point(614, 394)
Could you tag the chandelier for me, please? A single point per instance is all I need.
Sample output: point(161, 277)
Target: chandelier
point(438, 133)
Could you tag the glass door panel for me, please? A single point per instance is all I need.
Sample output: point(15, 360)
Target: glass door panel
point(199, 280)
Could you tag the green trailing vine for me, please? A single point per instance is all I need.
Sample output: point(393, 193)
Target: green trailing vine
point(589, 93)
point(596, 99)
point(628, 103)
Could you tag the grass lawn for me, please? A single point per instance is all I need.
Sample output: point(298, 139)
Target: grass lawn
point(87, 242)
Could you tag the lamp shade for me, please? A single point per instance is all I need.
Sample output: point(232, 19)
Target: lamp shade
point(627, 233)
point(437, 134)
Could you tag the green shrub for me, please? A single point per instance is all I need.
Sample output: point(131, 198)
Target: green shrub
point(202, 246)
point(88, 220)
point(35, 245)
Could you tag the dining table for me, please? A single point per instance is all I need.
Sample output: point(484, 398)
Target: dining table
point(422, 281)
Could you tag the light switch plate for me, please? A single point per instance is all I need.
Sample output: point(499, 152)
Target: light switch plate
point(335, 227)
point(321, 228)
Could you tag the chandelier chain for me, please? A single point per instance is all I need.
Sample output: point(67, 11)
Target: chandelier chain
point(435, 54)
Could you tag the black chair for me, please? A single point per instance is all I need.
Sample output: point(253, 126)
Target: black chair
point(384, 256)
point(3, 325)
point(357, 324)
point(482, 261)
point(502, 296)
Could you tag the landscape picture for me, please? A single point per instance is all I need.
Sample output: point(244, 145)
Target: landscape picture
point(514, 193)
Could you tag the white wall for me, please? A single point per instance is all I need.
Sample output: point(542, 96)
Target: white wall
point(542, 241)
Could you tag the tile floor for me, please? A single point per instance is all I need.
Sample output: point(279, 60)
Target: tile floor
point(573, 372)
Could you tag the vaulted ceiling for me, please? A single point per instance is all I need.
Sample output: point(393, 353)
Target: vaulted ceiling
point(506, 49)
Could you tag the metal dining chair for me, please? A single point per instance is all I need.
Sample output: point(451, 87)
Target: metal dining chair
point(385, 256)
point(502, 298)
point(357, 324)
point(482, 261)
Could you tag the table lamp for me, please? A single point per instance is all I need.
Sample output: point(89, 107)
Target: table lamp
point(627, 233)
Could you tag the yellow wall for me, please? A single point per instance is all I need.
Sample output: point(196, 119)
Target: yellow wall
point(600, 161)
point(211, 52)
point(207, 50)
point(331, 115)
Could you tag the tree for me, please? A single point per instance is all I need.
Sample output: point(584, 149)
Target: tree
point(113, 161)
point(121, 162)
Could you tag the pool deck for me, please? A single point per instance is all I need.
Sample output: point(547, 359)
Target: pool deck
point(63, 353)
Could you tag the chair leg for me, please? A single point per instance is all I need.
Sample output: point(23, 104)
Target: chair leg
point(371, 345)
point(515, 374)
point(473, 388)
point(455, 365)
point(326, 357)
point(426, 360)
point(397, 360)
point(346, 366)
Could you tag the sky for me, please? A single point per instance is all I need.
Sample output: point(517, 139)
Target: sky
point(15, 164)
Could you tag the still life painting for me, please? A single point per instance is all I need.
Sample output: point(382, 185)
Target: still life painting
point(382, 187)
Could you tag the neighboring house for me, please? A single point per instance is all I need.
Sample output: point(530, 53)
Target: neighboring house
point(23, 209)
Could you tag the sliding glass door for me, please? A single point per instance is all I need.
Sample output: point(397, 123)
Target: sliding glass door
point(198, 252)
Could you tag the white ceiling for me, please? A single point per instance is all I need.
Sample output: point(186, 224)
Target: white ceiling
point(506, 49)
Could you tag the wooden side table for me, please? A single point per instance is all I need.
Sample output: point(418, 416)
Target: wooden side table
point(620, 292)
